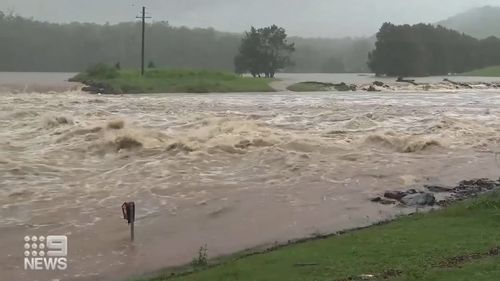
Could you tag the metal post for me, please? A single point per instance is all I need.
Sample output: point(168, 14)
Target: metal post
point(128, 211)
point(132, 231)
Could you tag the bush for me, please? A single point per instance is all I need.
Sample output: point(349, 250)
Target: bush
point(102, 71)
point(492, 201)
point(202, 259)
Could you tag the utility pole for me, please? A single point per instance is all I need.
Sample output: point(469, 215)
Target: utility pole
point(143, 17)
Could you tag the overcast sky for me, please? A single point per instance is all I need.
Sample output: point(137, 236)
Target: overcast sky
point(310, 18)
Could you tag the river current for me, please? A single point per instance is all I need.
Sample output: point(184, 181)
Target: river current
point(230, 171)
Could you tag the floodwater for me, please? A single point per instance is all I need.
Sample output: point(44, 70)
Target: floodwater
point(229, 171)
point(41, 82)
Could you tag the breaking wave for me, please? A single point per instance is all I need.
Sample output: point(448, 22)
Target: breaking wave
point(402, 143)
point(56, 121)
point(360, 123)
point(209, 135)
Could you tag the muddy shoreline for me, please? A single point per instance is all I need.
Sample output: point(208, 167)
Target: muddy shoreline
point(464, 190)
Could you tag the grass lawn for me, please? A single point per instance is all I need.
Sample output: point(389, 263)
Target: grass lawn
point(492, 71)
point(311, 86)
point(172, 81)
point(457, 243)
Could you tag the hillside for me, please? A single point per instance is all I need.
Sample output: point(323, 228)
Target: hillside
point(479, 22)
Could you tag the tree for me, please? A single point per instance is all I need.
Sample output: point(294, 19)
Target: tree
point(424, 49)
point(264, 51)
point(250, 56)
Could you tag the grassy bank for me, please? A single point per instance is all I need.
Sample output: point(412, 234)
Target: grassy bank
point(493, 71)
point(457, 243)
point(110, 80)
point(311, 86)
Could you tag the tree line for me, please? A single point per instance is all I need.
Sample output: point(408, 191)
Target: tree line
point(30, 45)
point(424, 49)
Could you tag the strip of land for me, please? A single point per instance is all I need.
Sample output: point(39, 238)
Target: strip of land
point(460, 242)
point(312, 86)
point(493, 71)
point(108, 80)
point(397, 85)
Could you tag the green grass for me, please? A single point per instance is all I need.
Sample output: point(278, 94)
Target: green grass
point(416, 247)
point(493, 71)
point(312, 86)
point(173, 81)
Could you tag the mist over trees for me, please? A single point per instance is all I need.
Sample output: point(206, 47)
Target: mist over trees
point(29, 45)
point(264, 51)
point(423, 49)
point(313, 54)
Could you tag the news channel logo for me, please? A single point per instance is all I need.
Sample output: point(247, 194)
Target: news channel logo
point(45, 252)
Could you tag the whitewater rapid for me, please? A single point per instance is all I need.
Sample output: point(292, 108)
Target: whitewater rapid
point(231, 171)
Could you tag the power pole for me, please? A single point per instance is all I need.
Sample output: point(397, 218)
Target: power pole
point(143, 17)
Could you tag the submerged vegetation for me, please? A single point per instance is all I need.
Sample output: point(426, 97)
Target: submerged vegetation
point(311, 86)
point(457, 243)
point(202, 258)
point(110, 80)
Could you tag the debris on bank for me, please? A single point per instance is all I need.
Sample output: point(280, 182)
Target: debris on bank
point(99, 88)
point(400, 84)
point(413, 198)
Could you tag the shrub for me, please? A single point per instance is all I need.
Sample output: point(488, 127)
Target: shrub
point(202, 259)
point(102, 71)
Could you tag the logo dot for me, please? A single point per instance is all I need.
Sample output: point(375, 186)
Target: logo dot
point(27, 246)
point(26, 253)
point(41, 238)
point(34, 239)
point(34, 246)
point(41, 246)
point(41, 253)
point(27, 238)
point(34, 253)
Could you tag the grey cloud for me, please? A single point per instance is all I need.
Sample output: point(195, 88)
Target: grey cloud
point(311, 18)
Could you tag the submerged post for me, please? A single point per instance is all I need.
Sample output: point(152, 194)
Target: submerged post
point(128, 210)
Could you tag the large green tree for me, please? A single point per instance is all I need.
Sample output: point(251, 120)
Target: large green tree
point(424, 49)
point(264, 51)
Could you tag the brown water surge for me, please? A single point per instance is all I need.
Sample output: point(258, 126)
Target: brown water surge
point(228, 170)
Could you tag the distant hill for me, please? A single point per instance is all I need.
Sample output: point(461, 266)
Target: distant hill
point(479, 22)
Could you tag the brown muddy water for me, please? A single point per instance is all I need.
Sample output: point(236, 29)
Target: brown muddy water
point(230, 171)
